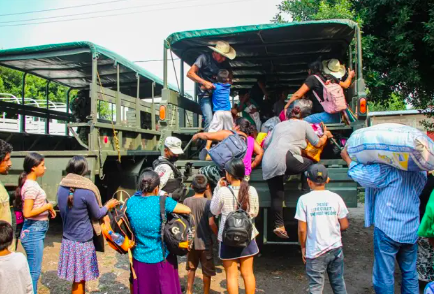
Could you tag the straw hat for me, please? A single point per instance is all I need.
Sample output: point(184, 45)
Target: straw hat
point(333, 67)
point(224, 49)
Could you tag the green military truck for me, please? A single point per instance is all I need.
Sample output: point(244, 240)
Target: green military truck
point(281, 52)
point(116, 127)
point(129, 112)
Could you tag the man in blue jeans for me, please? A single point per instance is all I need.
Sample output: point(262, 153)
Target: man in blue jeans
point(392, 206)
point(322, 215)
point(204, 73)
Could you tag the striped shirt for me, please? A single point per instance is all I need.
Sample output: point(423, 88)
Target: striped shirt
point(32, 190)
point(391, 199)
point(223, 202)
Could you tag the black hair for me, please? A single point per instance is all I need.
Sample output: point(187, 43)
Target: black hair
point(6, 235)
point(223, 76)
point(236, 169)
point(245, 126)
point(316, 67)
point(32, 160)
point(199, 183)
point(5, 148)
point(76, 165)
point(148, 181)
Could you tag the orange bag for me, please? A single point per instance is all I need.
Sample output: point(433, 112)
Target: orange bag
point(312, 152)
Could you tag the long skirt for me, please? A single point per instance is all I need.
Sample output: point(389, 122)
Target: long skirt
point(77, 261)
point(157, 278)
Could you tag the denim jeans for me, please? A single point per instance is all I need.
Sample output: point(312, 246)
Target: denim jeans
point(32, 239)
point(331, 262)
point(385, 252)
point(324, 117)
point(206, 107)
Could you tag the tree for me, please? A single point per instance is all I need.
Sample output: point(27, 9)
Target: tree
point(398, 44)
point(394, 103)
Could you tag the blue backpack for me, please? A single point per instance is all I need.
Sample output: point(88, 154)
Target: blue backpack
point(233, 147)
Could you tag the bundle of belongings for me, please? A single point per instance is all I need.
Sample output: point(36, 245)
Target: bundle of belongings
point(397, 145)
point(311, 151)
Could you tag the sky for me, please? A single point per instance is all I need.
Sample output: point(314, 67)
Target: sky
point(135, 30)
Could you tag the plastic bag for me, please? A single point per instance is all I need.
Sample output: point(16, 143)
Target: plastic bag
point(400, 146)
point(269, 125)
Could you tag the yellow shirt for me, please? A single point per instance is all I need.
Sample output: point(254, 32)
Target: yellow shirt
point(5, 210)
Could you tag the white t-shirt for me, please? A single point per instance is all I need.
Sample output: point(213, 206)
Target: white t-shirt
point(15, 274)
point(321, 210)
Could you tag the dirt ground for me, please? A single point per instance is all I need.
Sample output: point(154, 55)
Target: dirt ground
point(278, 269)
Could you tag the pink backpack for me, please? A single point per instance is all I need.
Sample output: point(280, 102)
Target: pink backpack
point(334, 98)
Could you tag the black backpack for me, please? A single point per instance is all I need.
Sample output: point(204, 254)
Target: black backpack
point(238, 227)
point(177, 231)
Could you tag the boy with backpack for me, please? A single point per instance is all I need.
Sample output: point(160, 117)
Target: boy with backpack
point(322, 215)
point(202, 244)
point(14, 270)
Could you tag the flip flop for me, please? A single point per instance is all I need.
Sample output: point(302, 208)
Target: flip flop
point(281, 233)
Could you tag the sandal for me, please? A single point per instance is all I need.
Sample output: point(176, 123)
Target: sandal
point(281, 233)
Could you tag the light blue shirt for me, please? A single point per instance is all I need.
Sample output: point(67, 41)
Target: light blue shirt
point(143, 213)
point(391, 199)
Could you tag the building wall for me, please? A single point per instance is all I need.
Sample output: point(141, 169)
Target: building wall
point(412, 120)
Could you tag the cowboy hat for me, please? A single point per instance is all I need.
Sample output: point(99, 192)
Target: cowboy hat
point(223, 48)
point(333, 67)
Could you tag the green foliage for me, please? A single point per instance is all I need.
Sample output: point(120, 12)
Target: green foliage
point(11, 83)
point(398, 45)
point(303, 10)
point(394, 103)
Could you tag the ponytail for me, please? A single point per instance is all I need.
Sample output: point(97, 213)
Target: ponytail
point(236, 169)
point(71, 197)
point(243, 195)
point(32, 160)
point(18, 202)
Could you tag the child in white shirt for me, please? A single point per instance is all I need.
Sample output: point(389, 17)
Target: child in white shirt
point(322, 215)
point(14, 269)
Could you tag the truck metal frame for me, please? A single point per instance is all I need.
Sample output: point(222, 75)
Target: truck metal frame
point(116, 150)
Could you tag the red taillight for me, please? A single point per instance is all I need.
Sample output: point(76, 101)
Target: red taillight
point(362, 105)
point(162, 112)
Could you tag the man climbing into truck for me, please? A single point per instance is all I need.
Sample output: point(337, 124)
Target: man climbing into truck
point(204, 73)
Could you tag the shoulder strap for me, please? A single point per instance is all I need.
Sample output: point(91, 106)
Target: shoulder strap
point(172, 166)
point(315, 94)
point(320, 80)
point(163, 223)
point(236, 133)
point(236, 200)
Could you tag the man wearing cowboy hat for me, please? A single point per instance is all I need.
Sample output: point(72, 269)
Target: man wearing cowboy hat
point(336, 69)
point(204, 73)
